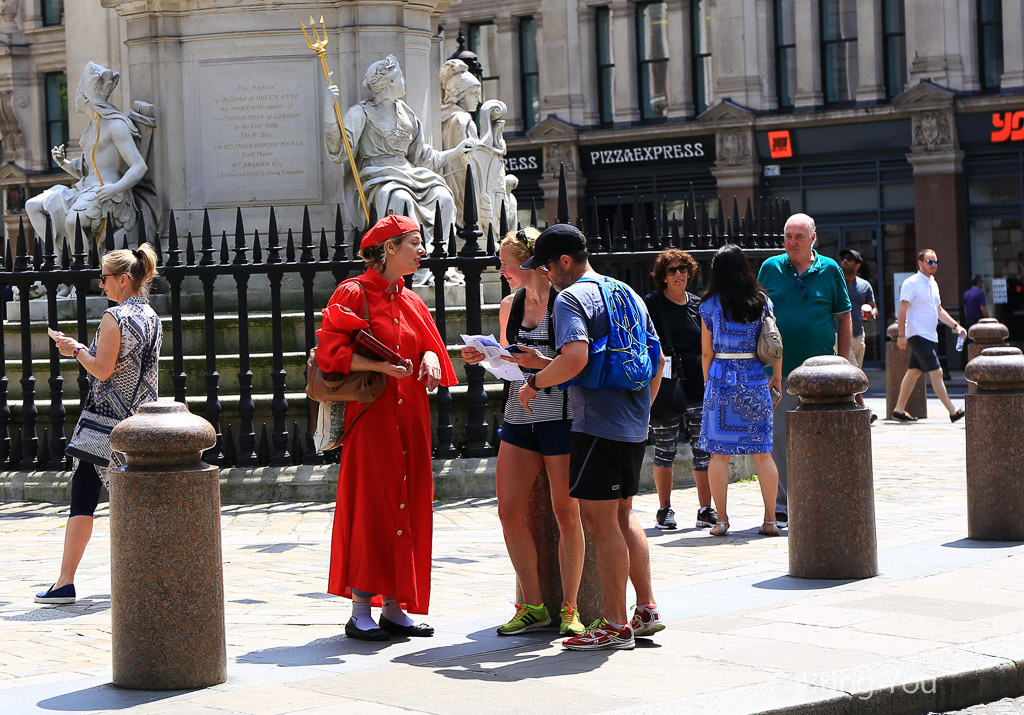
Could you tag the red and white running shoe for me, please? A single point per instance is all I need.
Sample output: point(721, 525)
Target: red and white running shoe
point(646, 622)
point(601, 635)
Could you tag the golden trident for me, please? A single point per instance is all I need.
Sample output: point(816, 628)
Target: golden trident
point(320, 47)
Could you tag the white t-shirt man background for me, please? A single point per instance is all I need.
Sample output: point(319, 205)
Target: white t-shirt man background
point(922, 292)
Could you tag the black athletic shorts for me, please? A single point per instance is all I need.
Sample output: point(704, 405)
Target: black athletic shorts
point(602, 469)
point(922, 354)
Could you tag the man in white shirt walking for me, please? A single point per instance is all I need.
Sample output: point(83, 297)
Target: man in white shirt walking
point(919, 313)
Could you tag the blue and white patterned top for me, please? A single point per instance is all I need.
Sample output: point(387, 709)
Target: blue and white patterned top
point(136, 375)
point(737, 405)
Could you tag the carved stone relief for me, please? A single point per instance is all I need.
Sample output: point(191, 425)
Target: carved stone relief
point(10, 128)
point(557, 154)
point(733, 147)
point(933, 131)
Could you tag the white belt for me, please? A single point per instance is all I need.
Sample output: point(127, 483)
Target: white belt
point(734, 356)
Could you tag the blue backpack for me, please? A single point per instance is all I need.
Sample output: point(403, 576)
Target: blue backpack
point(627, 357)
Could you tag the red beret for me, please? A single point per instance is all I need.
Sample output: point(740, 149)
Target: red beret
point(388, 227)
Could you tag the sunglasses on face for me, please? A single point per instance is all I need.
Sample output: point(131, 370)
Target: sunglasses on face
point(546, 267)
point(672, 270)
point(105, 276)
point(933, 263)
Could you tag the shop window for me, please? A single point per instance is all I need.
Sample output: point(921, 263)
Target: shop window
point(898, 196)
point(994, 190)
point(605, 65)
point(785, 52)
point(652, 59)
point(528, 75)
point(484, 42)
point(894, 44)
point(839, 51)
point(990, 43)
point(844, 198)
point(52, 12)
point(996, 255)
point(56, 89)
point(700, 31)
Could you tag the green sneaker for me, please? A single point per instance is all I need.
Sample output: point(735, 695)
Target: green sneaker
point(571, 622)
point(527, 618)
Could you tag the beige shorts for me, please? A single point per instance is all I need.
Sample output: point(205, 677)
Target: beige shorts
point(856, 355)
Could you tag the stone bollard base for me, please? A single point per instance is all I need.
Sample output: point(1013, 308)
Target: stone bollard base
point(166, 590)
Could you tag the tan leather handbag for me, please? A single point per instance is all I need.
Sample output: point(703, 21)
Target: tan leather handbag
point(769, 342)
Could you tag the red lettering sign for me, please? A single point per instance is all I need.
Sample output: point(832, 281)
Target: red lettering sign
point(1009, 126)
point(779, 144)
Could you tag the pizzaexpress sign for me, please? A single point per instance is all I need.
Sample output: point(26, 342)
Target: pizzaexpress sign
point(655, 151)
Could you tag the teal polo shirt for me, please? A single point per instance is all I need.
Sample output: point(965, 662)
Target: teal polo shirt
point(805, 317)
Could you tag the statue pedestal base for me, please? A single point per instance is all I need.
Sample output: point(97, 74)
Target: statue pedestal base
point(67, 308)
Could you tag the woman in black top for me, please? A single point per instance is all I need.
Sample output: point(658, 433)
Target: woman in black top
point(674, 312)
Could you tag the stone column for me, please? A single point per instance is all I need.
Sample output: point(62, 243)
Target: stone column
point(624, 54)
point(166, 578)
point(995, 446)
point(986, 333)
point(544, 528)
point(870, 79)
point(831, 490)
point(895, 368)
point(1013, 46)
point(808, 75)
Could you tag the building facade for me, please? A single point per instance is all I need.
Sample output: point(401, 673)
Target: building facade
point(897, 124)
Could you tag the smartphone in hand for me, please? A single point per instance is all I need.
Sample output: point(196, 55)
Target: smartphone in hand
point(55, 334)
point(776, 395)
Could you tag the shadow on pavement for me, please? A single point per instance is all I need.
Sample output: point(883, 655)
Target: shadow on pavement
point(975, 544)
point(790, 583)
point(323, 651)
point(105, 697)
point(82, 607)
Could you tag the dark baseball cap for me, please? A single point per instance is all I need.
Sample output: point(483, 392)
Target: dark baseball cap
point(561, 239)
point(850, 253)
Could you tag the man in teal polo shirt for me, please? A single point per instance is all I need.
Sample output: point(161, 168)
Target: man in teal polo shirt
point(811, 301)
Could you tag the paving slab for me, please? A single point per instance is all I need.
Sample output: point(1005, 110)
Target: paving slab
point(941, 627)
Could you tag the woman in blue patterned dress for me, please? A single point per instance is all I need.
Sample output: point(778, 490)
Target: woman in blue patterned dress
point(737, 399)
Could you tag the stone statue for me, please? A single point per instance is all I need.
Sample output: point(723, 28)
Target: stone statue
point(460, 97)
point(399, 170)
point(111, 171)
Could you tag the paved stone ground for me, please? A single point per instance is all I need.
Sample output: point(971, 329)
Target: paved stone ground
point(743, 637)
point(1006, 706)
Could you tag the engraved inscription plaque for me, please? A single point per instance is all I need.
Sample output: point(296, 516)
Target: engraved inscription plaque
point(259, 131)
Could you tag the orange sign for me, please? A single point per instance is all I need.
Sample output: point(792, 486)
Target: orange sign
point(779, 144)
point(1008, 126)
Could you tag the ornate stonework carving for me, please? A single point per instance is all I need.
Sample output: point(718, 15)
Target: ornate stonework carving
point(733, 147)
point(10, 127)
point(557, 154)
point(9, 10)
point(932, 131)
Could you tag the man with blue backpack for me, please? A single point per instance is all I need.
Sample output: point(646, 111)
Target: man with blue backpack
point(610, 360)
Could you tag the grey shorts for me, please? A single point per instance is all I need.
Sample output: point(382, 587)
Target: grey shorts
point(666, 438)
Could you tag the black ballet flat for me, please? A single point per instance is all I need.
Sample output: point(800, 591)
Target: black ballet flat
point(420, 630)
point(372, 634)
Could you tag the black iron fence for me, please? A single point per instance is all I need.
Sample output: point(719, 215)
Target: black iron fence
point(31, 438)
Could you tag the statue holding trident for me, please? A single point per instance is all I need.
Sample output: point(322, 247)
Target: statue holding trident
point(381, 146)
point(111, 172)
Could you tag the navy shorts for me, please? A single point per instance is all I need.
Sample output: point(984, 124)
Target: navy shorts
point(601, 469)
point(922, 354)
point(549, 438)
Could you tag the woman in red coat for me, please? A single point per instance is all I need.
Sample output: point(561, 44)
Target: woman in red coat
point(383, 520)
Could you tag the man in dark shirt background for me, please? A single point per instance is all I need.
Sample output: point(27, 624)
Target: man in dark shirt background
point(974, 302)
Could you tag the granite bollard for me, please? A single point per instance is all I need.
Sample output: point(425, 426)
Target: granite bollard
point(896, 360)
point(544, 528)
point(831, 486)
point(166, 575)
point(986, 333)
point(995, 445)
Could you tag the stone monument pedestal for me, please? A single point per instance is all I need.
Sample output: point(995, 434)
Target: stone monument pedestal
point(986, 333)
point(896, 361)
point(166, 577)
point(995, 445)
point(831, 488)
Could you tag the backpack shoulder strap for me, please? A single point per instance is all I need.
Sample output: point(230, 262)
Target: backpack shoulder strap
point(552, 294)
point(515, 316)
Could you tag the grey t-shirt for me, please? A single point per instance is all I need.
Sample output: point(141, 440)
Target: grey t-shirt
point(621, 415)
point(860, 293)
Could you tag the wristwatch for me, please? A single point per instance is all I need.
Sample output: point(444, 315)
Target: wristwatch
point(76, 351)
point(532, 382)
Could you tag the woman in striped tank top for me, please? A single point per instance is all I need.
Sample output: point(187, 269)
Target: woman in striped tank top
point(530, 442)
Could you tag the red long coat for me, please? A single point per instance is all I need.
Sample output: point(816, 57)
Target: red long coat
point(383, 519)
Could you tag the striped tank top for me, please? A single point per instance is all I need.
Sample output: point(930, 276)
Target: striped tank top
point(548, 405)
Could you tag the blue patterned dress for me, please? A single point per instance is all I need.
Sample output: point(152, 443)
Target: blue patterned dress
point(737, 405)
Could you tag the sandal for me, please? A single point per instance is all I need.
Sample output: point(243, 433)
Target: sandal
point(772, 530)
point(722, 528)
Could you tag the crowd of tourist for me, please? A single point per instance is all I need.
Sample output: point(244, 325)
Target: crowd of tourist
point(603, 374)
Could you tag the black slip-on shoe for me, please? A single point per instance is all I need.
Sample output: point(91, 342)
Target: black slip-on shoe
point(371, 634)
point(957, 416)
point(903, 416)
point(418, 630)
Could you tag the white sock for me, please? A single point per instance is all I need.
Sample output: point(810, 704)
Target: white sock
point(394, 613)
point(361, 615)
